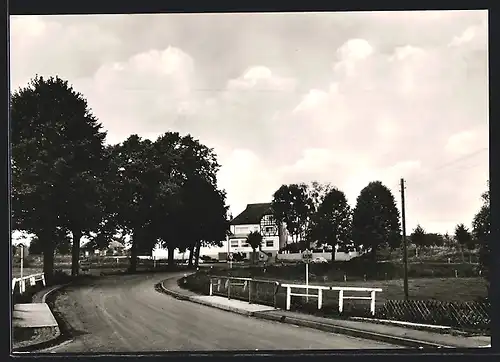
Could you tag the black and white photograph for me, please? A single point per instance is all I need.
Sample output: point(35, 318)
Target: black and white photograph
point(252, 182)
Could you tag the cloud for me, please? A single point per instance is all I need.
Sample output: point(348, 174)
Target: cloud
point(282, 98)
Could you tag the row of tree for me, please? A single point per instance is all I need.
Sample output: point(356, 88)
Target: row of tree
point(67, 181)
point(320, 213)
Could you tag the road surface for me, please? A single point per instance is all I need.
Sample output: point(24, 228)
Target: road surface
point(126, 314)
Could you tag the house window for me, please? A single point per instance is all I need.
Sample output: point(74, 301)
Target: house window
point(235, 243)
point(270, 243)
point(241, 230)
point(245, 245)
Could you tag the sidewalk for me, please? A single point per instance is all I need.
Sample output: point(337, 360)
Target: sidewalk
point(387, 333)
point(33, 315)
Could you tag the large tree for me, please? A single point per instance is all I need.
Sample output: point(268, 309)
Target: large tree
point(481, 229)
point(333, 220)
point(201, 215)
point(139, 184)
point(375, 221)
point(56, 162)
point(292, 205)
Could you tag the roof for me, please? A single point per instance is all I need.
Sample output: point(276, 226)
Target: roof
point(252, 214)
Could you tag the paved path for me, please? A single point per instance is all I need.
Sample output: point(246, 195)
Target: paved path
point(33, 315)
point(126, 314)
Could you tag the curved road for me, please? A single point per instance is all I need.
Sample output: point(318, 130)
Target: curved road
point(126, 314)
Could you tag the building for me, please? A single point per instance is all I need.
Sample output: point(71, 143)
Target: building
point(256, 217)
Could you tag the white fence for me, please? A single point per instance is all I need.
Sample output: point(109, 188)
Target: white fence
point(31, 279)
point(341, 291)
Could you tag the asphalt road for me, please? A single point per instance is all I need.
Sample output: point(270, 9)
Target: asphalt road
point(126, 314)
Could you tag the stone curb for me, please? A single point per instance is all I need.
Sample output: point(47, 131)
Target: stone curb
point(395, 340)
point(58, 339)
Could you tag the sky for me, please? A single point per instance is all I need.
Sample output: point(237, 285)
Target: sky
point(345, 98)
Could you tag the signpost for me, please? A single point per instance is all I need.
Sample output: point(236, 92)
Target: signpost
point(22, 259)
point(230, 258)
point(306, 258)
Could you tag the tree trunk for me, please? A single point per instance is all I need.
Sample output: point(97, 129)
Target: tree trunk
point(191, 255)
point(171, 261)
point(133, 255)
point(75, 253)
point(197, 250)
point(48, 259)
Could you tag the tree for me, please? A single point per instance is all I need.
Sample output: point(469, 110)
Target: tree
point(254, 239)
point(434, 239)
point(333, 220)
point(292, 206)
point(448, 241)
point(481, 229)
point(418, 237)
point(462, 236)
point(56, 160)
point(375, 221)
point(141, 183)
point(198, 211)
point(316, 193)
point(62, 243)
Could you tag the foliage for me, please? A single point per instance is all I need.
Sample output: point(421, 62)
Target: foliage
point(56, 160)
point(292, 205)
point(375, 220)
point(481, 228)
point(418, 236)
point(254, 239)
point(463, 236)
point(332, 221)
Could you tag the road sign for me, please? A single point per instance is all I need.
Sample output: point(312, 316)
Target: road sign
point(307, 256)
point(230, 256)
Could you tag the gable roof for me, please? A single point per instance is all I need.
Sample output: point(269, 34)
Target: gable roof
point(252, 214)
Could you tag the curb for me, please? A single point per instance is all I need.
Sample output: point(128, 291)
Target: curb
point(60, 337)
point(357, 333)
point(395, 340)
point(161, 287)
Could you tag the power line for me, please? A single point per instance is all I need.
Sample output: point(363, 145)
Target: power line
point(450, 163)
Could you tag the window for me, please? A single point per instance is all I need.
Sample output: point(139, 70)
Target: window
point(269, 229)
point(270, 243)
point(245, 245)
point(241, 230)
point(235, 243)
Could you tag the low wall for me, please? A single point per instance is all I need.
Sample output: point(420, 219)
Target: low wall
point(327, 256)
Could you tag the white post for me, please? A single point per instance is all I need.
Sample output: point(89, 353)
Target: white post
point(22, 259)
point(43, 279)
point(23, 286)
point(372, 304)
point(320, 298)
point(307, 282)
point(154, 265)
point(288, 298)
point(341, 301)
point(211, 288)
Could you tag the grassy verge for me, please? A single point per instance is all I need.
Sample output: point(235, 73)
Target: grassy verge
point(450, 297)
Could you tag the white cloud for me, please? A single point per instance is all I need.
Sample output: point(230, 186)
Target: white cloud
point(460, 143)
point(284, 99)
point(261, 78)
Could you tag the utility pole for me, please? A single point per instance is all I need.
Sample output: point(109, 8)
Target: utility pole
point(405, 249)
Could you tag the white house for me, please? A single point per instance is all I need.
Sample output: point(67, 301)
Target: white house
point(256, 217)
